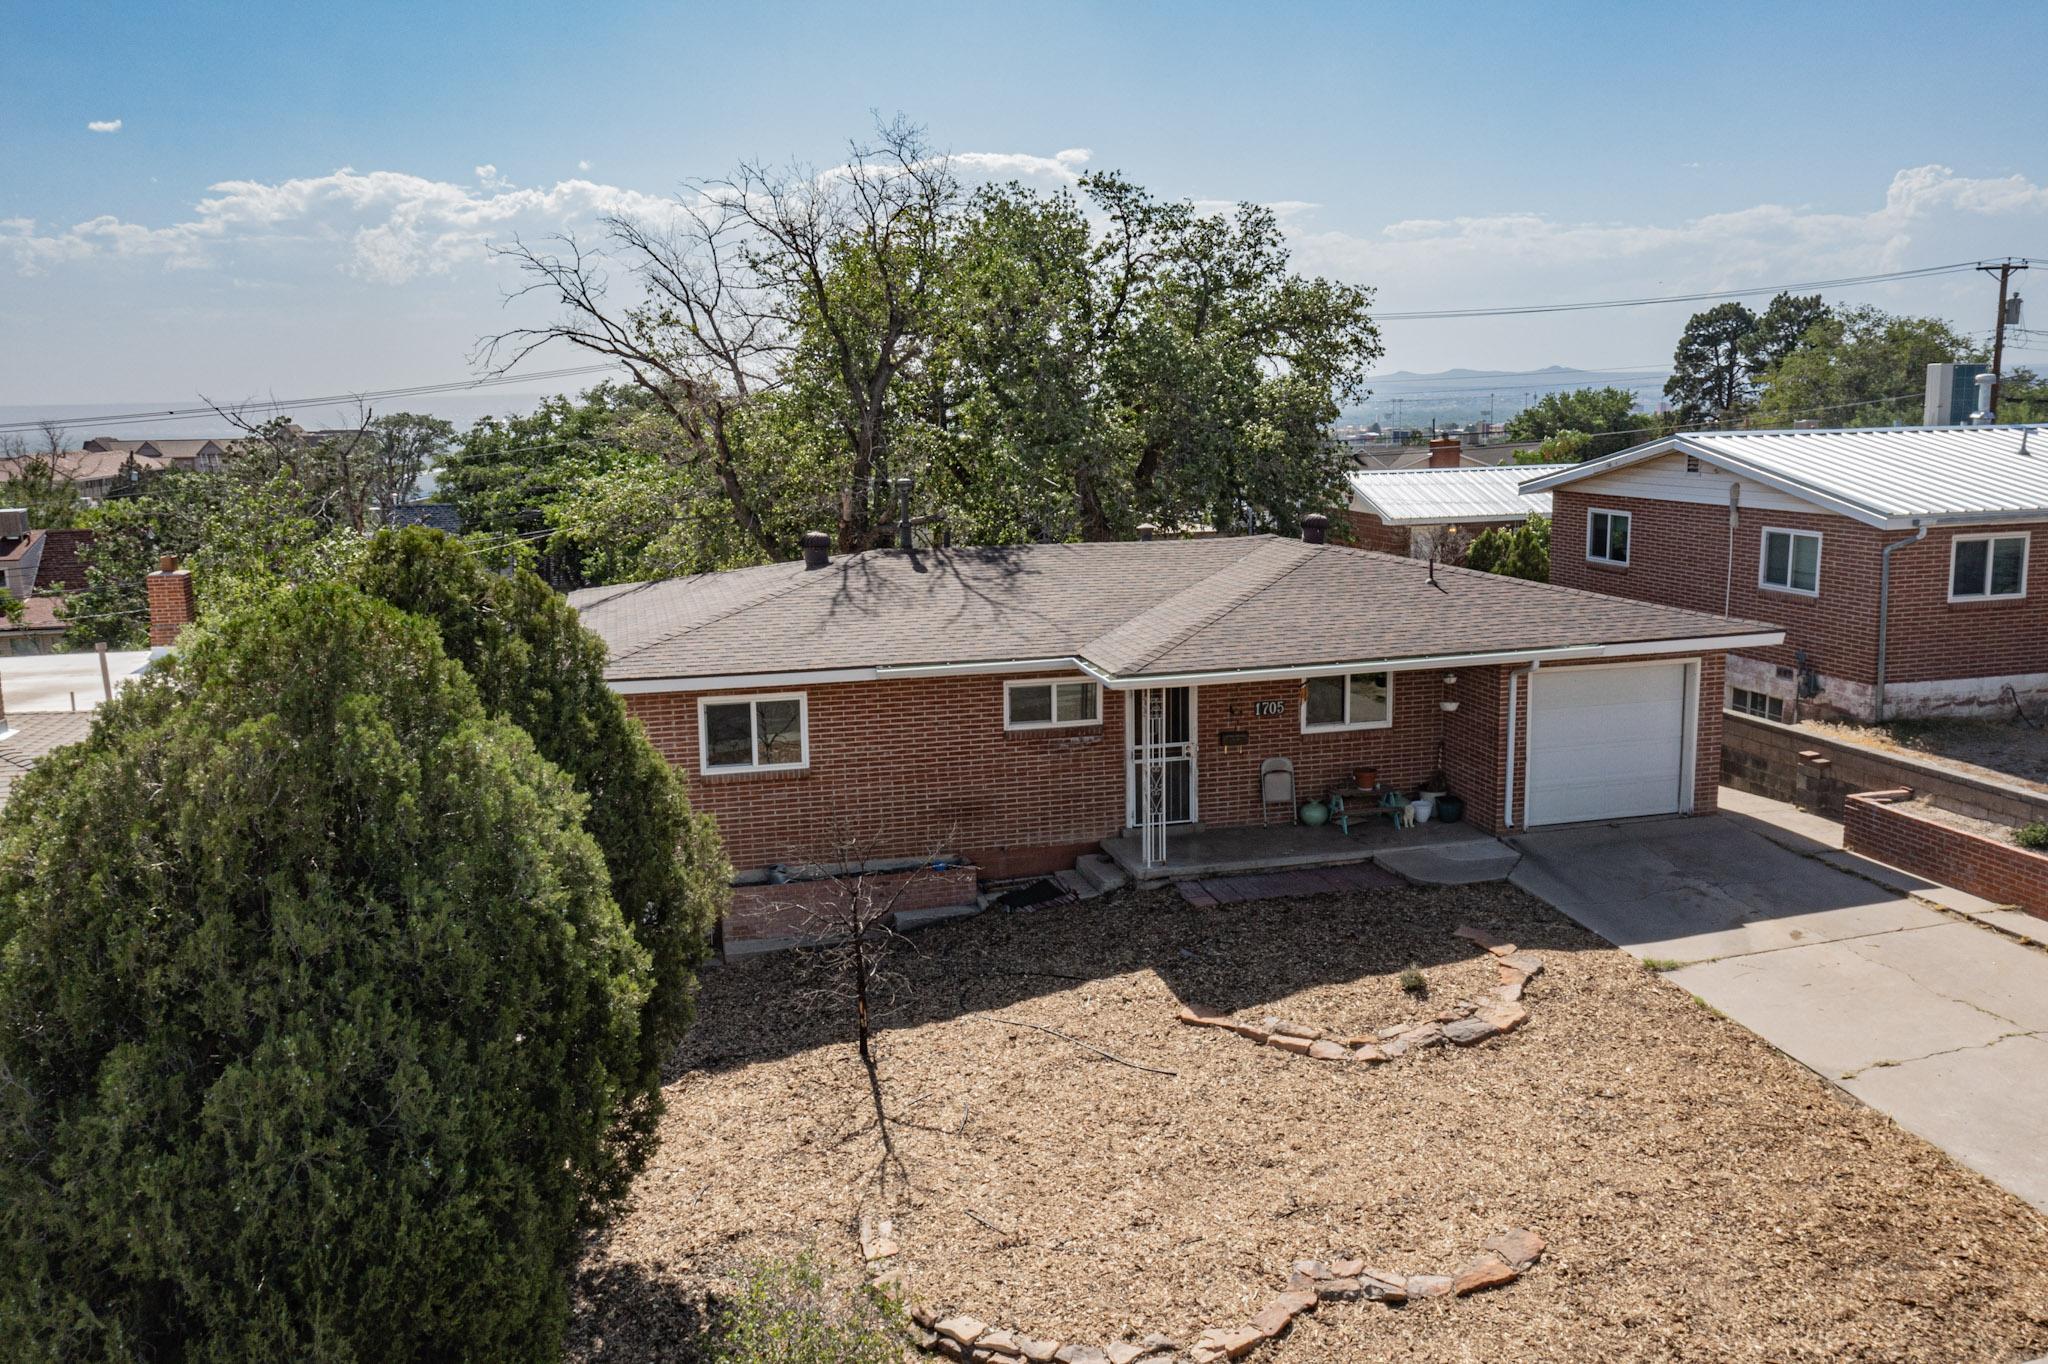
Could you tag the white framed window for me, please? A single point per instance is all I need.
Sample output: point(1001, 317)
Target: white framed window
point(1607, 536)
point(1051, 705)
point(768, 733)
point(1790, 561)
point(1986, 567)
point(1746, 702)
point(1347, 701)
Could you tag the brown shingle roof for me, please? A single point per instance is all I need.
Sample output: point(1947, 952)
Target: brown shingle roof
point(1128, 609)
point(33, 735)
point(63, 565)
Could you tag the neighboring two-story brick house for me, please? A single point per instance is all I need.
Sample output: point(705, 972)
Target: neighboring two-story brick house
point(1905, 565)
point(1006, 705)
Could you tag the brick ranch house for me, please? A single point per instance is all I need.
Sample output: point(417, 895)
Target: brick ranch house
point(1904, 565)
point(981, 701)
point(1394, 510)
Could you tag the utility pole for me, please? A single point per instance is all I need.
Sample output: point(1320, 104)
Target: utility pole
point(2003, 270)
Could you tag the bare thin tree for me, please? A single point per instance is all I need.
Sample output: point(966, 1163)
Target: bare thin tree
point(752, 282)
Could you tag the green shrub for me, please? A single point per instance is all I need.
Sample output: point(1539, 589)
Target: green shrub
point(1515, 551)
point(789, 1313)
point(316, 1015)
point(534, 664)
point(2033, 835)
point(1413, 983)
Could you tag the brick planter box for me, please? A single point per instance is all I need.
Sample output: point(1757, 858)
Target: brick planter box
point(764, 916)
point(1877, 824)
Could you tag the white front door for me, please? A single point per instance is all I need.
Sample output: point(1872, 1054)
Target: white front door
point(1609, 742)
point(1171, 735)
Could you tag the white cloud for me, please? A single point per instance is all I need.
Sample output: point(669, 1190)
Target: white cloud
point(104, 125)
point(487, 176)
point(387, 226)
point(1062, 166)
point(583, 165)
point(1739, 245)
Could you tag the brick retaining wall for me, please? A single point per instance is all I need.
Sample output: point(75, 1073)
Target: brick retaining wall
point(1877, 825)
point(785, 911)
point(1764, 758)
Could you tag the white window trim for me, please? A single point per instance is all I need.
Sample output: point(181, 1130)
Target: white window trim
point(1055, 722)
point(1610, 513)
point(1349, 725)
point(803, 725)
point(2026, 539)
point(1763, 559)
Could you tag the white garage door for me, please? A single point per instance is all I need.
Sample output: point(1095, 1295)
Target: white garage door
point(1606, 743)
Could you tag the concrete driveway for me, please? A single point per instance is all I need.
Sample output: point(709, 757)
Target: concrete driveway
point(1936, 1021)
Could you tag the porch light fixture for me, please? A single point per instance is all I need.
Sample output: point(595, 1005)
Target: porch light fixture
point(1448, 705)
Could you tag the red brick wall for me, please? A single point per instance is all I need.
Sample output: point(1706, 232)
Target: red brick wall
point(908, 768)
point(1679, 555)
point(1876, 827)
point(1369, 532)
point(1405, 754)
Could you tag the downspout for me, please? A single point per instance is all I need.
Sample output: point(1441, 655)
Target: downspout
point(1884, 601)
point(1734, 515)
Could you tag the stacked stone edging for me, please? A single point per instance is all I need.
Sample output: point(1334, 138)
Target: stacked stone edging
point(1468, 1024)
point(1501, 1260)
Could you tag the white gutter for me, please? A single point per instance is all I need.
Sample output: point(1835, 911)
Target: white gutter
point(825, 676)
point(1562, 653)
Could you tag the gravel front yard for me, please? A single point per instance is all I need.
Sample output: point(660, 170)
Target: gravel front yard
point(1704, 1198)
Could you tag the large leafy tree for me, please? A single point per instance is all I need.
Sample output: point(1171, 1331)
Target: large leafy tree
point(1781, 330)
point(1044, 367)
point(535, 665)
point(1860, 367)
point(317, 1018)
point(1607, 417)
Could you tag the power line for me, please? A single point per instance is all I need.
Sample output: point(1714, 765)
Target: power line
point(1844, 282)
point(493, 381)
point(279, 404)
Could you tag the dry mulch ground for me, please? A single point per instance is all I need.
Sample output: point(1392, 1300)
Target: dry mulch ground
point(1704, 1197)
point(2002, 750)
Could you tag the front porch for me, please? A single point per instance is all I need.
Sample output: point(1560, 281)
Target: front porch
point(1194, 853)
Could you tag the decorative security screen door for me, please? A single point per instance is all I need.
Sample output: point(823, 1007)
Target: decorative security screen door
point(1162, 764)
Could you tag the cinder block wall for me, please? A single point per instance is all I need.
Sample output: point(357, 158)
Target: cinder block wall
point(1763, 757)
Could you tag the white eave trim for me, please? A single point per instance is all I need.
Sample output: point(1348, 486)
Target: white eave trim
point(1627, 649)
point(639, 686)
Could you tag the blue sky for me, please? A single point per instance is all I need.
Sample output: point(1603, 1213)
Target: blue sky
point(298, 198)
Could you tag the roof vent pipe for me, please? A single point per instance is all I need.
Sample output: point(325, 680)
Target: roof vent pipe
point(817, 549)
point(1146, 530)
point(1315, 528)
point(903, 536)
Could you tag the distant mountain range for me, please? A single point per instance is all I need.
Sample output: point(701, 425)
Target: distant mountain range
point(1459, 395)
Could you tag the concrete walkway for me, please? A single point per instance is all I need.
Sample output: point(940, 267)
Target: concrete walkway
point(1843, 964)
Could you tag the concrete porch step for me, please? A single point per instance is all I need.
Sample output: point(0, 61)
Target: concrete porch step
point(1100, 871)
point(1077, 885)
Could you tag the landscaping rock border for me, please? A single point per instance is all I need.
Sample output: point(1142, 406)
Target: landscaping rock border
point(1501, 1260)
point(1468, 1024)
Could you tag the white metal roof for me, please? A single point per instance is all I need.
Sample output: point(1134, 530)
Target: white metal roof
point(1889, 477)
point(1427, 497)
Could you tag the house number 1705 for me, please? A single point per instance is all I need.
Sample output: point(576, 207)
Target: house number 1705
point(1269, 707)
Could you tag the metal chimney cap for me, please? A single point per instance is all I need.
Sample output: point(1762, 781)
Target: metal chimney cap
point(1315, 528)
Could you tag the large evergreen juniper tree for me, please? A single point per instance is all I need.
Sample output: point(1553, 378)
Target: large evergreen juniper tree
point(317, 1017)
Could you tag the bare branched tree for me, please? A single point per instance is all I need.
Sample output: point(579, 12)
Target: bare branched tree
point(755, 282)
point(849, 908)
